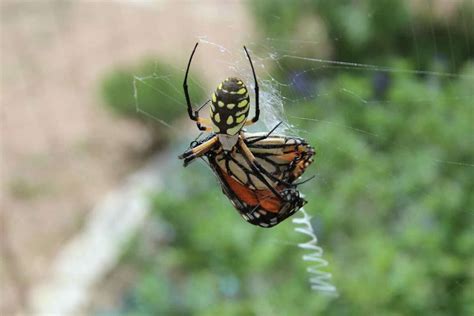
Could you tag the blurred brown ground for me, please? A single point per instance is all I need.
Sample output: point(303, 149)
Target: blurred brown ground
point(60, 150)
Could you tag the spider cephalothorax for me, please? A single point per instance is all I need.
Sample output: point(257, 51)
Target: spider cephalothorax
point(230, 106)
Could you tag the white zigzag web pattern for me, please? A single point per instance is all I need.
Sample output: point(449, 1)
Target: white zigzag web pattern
point(320, 280)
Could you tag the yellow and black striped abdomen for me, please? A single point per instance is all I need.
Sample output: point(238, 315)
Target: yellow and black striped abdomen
point(230, 106)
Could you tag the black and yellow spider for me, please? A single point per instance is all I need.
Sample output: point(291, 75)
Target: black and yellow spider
point(257, 171)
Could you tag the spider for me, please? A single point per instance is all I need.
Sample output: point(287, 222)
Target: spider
point(256, 171)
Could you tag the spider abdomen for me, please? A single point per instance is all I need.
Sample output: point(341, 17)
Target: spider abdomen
point(230, 106)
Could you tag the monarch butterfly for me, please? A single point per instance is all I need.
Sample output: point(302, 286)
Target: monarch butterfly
point(267, 196)
point(257, 172)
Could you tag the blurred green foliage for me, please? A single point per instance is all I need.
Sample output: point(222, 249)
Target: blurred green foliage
point(370, 31)
point(149, 91)
point(393, 209)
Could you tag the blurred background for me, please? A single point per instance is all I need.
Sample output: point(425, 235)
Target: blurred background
point(98, 217)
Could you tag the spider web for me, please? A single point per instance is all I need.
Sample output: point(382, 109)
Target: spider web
point(266, 57)
point(272, 113)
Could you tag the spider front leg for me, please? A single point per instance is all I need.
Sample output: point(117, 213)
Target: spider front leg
point(193, 115)
point(257, 107)
point(264, 136)
point(203, 123)
point(198, 151)
point(257, 168)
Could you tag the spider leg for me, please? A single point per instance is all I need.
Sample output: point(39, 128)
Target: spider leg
point(200, 108)
point(264, 136)
point(193, 115)
point(261, 168)
point(195, 142)
point(256, 167)
point(304, 181)
point(257, 108)
point(198, 151)
point(202, 123)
